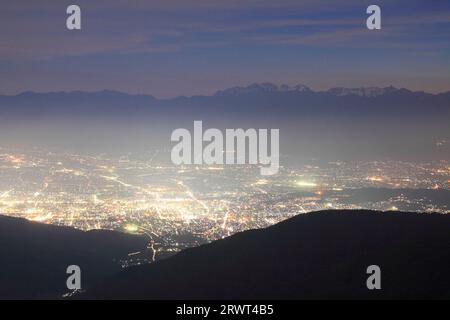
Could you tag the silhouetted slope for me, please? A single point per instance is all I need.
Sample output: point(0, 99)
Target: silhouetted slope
point(34, 257)
point(319, 255)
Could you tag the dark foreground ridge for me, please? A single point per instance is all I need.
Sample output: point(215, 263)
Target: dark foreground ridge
point(318, 255)
point(34, 257)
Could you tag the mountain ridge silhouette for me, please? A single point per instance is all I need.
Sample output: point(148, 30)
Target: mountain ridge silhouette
point(278, 100)
point(322, 255)
point(35, 257)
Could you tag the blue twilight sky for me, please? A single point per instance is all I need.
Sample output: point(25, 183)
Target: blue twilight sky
point(187, 47)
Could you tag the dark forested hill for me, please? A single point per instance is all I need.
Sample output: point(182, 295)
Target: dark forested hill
point(318, 255)
point(34, 257)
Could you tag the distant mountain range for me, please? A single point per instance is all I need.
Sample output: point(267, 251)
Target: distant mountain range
point(262, 88)
point(255, 88)
point(321, 255)
point(273, 99)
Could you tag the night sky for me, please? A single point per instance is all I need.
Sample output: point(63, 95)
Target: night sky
point(188, 47)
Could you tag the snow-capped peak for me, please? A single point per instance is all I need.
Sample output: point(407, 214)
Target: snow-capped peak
point(362, 91)
point(263, 88)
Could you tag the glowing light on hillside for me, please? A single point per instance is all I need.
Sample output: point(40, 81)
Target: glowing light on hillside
point(131, 228)
point(41, 218)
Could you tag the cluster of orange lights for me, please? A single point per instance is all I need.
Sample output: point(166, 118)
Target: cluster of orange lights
point(375, 179)
point(16, 159)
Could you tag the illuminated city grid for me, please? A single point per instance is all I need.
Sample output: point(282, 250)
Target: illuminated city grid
point(179, 207)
